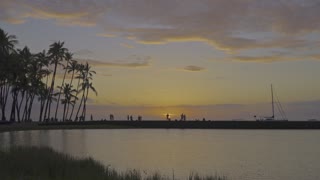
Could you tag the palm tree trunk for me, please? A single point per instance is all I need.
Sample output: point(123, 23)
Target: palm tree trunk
point(64, 111)
point(49, 99)
point(67, 113)
point(43, 100)
point(24, 116)
point(84, 110)
point(82, 98)
point(41, 109)
point(4, 97)
point(71, 85)
point(20, 104)
point(75, 103)
point(13, 112)
point(57, 106)
point(30, 107)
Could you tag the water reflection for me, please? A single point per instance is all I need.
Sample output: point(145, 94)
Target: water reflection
point(239, 154)
point(72, 142)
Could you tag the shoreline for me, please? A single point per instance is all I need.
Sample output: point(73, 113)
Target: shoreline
point(7, 126)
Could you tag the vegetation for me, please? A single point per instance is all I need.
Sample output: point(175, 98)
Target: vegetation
point(27, 77)
point(44, 163)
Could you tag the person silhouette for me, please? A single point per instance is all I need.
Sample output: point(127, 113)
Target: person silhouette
point(168, 117)
point(182, 117)
point(131, 118)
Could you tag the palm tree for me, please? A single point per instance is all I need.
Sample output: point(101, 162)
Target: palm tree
point(44, 72)
point(56, 55)
point(68, 57)
point(42, 97)
point(69, 98)
point(27, 75)
point(7, 43)
point(80, 70)
point(86, 86)
point(72, 68)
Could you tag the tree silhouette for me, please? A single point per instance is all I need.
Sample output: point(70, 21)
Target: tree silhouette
point(68, 57)
point(7, 43)
point(56, 55)
point(69, 98)
point(86, 85)
point(25, 78)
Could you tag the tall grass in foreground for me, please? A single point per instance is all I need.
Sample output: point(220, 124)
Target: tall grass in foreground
point(45, 164)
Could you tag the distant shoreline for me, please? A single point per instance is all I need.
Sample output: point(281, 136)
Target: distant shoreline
point(161, 125)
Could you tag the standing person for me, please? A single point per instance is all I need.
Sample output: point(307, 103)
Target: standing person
point(91, 118)
point(111, 117)
point(131, 118)
point(128, 117)
point(168, 117)
point(182, 117)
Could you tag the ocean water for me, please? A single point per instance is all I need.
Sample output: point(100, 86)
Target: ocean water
point(238, 154)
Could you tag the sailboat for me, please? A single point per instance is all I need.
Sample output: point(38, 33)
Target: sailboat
point(278, 104)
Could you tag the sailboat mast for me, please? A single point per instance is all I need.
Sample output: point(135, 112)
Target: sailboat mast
point(272, 102)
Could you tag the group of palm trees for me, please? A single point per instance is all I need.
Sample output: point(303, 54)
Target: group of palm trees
point(26, 78)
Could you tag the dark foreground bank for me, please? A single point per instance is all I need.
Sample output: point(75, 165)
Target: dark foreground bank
point(46, 164)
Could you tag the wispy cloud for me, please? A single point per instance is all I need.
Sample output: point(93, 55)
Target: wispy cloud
point(127, 45)
point(266, 59)
point(193, 68)
point(130, 62)
point(83, 52)
point(315, 56)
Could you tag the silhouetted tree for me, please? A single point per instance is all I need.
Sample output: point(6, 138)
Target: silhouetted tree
point(68, 57)
point(24, 78)
point(7, 43)
point(56, 55)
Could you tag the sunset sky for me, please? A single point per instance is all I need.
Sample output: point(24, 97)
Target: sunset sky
point(205, 58)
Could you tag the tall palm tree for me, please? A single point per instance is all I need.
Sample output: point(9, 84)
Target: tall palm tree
point(56, 55)
point(88, 86)
point(44, 72)
point(7, 43)
point(80, 76)
point(68, 57)
point(85, 87)
point(72, 68)
point(27, 74)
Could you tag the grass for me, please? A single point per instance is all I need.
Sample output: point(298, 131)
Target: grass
point(36, 126)
point(41, 163)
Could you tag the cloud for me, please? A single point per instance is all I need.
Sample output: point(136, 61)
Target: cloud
point(315, 56)
point(127, 45)
point(131, 62)
point(231, 25)
point(83, 52)
point(267, 59)
point(193, 68)
point(106, 35)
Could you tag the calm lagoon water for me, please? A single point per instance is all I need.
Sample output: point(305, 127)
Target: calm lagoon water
point(238, 154)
